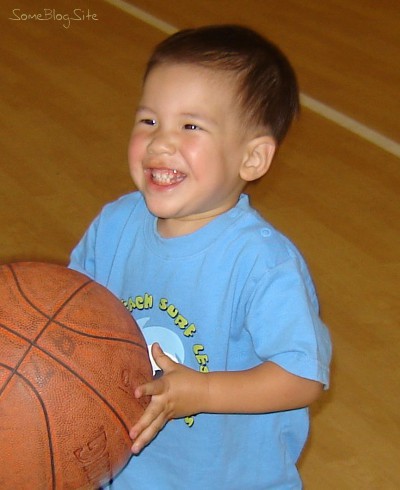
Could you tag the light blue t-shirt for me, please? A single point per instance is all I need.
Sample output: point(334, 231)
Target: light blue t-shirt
point(227, 297)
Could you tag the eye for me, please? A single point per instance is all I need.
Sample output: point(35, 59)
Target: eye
point(191, 127)
point(148, 121)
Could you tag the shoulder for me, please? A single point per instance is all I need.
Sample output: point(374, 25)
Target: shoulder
point(266, 253)
point(260, 239)
point(111, 230)
point(116, 214)
point(115, 217)
point(124, 205)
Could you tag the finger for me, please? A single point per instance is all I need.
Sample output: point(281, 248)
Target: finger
point(153, 388)
point(163, 361)
point(152, 412)
point(148, 434)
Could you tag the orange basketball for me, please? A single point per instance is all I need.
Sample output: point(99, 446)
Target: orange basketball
point(71, 356)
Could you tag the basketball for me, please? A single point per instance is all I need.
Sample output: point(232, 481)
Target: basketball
point(71, 356)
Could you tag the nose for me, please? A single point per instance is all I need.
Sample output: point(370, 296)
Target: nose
point(162, 142)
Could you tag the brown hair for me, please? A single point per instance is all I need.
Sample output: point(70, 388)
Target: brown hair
point(267, 84)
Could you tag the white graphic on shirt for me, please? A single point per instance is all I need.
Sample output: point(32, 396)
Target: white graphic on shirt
point(169, 341)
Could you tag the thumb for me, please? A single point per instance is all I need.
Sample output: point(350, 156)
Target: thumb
point(163, 361)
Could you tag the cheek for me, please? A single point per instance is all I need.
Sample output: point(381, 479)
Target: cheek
point(136, 150)
point(199, 155)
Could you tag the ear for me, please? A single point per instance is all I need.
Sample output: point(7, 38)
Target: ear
point(257, 158)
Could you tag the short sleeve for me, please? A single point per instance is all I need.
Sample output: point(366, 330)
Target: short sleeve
point(83, 255)
point(284, 323)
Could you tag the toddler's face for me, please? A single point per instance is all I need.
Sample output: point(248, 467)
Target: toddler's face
point(187, 146)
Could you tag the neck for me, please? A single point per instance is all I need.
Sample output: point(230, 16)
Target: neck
point(172, 228)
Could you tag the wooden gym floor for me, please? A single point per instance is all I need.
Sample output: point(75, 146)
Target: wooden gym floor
point(68, 92)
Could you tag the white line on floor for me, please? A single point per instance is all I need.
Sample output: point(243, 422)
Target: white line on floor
point(314, 105)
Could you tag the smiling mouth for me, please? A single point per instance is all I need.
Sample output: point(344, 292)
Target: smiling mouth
point(166, 176)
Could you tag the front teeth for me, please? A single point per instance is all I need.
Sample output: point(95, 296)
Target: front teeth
point(165, 176)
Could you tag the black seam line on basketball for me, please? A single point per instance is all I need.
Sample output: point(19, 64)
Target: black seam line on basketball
point(100, 337)
point(93, 390)
point(50, 319)
point(84, 334)
point(68, 368)
point(16, 334)
point(14, 371)
point(40, 348)
point(46, 416)
point(2, 388)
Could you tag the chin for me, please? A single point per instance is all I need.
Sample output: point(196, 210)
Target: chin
point(159, 210)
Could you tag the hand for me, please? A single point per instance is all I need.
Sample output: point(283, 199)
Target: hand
point(177, 393)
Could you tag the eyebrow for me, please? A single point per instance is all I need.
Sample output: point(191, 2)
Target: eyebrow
point(142, 108)
point(199, 117)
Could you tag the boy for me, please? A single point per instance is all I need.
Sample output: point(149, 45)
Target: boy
point(225, 300)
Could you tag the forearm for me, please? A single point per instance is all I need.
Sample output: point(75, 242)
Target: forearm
point(182, 391)
point(265, 388)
